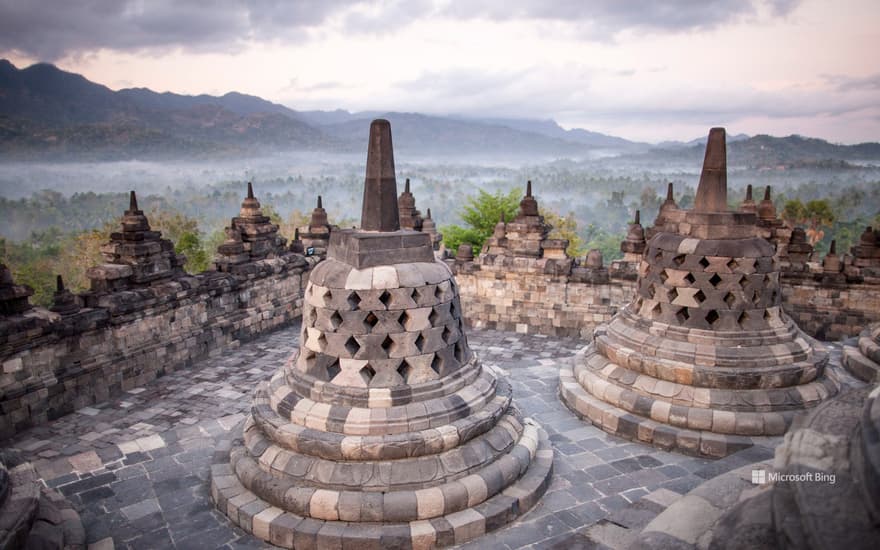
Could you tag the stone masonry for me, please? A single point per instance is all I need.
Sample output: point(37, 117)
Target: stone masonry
point(136, 256)
point(143, 318)
point(383, 429)
point(703, 358)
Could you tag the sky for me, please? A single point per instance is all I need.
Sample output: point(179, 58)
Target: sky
point(643, 70)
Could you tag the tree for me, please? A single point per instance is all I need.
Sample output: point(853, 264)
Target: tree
point(565, 228)
point(481, 213)
point(607, 243)
point(815, 214)
point(184, 232)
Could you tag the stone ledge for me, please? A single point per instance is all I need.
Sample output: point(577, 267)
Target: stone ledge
point(637, 428)
point(287, 530)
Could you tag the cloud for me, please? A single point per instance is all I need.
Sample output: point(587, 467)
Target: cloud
point(844, 83)
point(48, 29)
point(51, 29)
point(613, 16)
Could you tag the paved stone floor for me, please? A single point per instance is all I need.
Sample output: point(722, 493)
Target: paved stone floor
point(136, 468)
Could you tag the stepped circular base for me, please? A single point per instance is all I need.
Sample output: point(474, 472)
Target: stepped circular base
point(32, 516)
point(358, 528)
point(862, 359)
point(622, 423)
point(691, 521)
point(824, 504)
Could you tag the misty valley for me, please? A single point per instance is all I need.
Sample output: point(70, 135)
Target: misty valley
point(56, 215)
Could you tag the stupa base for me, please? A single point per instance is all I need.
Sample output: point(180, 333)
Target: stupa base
point(288, 530)
point(684, 430)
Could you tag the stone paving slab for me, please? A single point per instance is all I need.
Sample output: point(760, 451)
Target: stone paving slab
point(137, 467)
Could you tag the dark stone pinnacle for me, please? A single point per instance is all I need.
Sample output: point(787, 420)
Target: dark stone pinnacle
point(380, 211)
point(250, 192)
point(712, 191)
point(133, 202)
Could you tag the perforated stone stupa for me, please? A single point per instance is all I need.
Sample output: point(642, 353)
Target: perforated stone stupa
point(703, 358)
point(383, 430)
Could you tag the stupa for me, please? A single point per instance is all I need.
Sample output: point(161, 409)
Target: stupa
point(315, 236)
point(703, 358)
point(410, 217)
point(136, 256)
point(14, 299)
point(383, 430)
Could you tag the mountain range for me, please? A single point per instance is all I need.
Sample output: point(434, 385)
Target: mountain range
point(48, 113)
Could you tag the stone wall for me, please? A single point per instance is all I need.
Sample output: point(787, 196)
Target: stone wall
point(831, 311)
point(535, 303)
point(54, 364)
point(529, 301)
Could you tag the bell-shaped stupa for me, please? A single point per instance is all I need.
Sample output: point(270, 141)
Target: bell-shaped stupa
point(703, 358)
point(383, 429)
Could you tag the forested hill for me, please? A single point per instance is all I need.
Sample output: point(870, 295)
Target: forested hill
point(50, 114)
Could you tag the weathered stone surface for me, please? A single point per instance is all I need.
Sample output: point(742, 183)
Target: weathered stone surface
point(385, 381)
point(704, 345)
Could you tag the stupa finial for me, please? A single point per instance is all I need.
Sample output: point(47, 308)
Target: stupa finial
point(380, 212)
point(712, 191)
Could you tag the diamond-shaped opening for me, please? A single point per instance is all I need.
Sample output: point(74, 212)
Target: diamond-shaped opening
point(651, 291)
point(351, 346)
point(658, 256)
point(313, 317)
point(447, 334)
point(732, 265)
point(367, 373)
point(690, 278)
point(432, 317)
point(437, 292)
point(403, 319)
point(385, 298)
point(767, 315)
point(756, 297)
point(416, 295)
point(639, 303)
point(729, 299)
point(700, 297)
point(663, 276)
point(404, 370)
point(327, 296)
point(656, 311)
point(335, 320)
point(387, 343)
point(354, 300)
point(371, 320)
point(712, 317)
point(333, 370)
point(743, 318)
point(679, 259)
point(420, 341)
point(715, 279)
point(704, 262)
point(672, 294)
point(436, 364)
point(773, 297)
point(459, 352)
point(452, 309)
point(743, 281)
point(682, 315)
point(322, 342)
